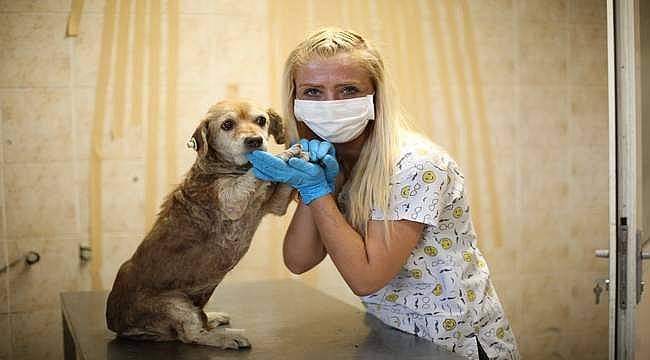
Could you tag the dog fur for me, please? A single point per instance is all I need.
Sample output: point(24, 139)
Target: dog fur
point(204, 228)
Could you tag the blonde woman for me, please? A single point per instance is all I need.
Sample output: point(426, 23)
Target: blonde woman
point(386, 205)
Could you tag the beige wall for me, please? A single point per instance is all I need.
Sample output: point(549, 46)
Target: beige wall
point(542, 80)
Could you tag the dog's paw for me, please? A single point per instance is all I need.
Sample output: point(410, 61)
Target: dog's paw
point(294, 151)
point(217, 318)
point(235, 339)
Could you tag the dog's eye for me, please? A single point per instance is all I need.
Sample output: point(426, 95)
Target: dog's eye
point(228, 125)
point(261, 121)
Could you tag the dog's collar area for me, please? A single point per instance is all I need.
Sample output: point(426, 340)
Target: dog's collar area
point(246, 166)
point(211, 169)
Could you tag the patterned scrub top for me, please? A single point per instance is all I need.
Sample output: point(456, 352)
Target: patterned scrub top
point(443, 292)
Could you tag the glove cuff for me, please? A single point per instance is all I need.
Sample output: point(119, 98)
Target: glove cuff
point(309, 196)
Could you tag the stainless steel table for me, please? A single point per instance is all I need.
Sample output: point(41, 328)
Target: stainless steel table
point(284, 319)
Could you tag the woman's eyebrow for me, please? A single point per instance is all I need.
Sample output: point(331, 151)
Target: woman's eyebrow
point(310, 85)
point(350, 82)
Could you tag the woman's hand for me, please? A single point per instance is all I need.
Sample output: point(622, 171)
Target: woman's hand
point(323, 152)
point(317, 149)
point(309, 179)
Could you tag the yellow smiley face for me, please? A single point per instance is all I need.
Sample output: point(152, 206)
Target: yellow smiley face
point(406, 190)
point(445, 243)
point(428, 177)
point(471, 295)
point(416, 273)
point(430, 250)
point(437, 290)
point(449, 324)
point(392, 297)
point(501, 333)
point(467, 256)
point(458, 212)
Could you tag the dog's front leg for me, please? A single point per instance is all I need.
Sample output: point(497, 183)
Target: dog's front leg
point(278, 203)
point(234, 194)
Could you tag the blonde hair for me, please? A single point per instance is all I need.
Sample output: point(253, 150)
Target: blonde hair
point(370, 179)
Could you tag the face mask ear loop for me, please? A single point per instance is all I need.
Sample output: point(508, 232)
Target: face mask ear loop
point(371, 106)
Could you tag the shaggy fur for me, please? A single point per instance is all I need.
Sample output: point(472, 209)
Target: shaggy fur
point(204, 228)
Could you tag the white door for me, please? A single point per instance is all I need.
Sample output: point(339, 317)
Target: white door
point(629, 72)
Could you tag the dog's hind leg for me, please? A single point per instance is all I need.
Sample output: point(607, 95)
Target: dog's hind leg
point(221, 337)
point(191, 325)
point(173, 316)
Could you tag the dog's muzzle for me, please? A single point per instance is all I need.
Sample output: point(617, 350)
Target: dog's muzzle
point(253, 142)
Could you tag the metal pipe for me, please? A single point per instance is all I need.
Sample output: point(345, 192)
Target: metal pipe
point(32, 257)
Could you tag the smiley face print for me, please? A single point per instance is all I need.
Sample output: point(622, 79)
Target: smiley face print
point(428, 177)
point(416, 273)
point(445, 243)
point(406, 190)
point(449, 324)
point(392, 297)
point(430, 250)
point(467, 256)
point(437, 290)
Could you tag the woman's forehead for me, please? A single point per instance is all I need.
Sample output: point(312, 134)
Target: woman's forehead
point(338, 68)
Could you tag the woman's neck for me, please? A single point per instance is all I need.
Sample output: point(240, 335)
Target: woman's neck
point(348, 153)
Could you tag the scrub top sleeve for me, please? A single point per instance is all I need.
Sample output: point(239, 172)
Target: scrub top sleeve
point(420, 192)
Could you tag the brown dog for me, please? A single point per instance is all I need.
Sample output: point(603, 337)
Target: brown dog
point(204, 228)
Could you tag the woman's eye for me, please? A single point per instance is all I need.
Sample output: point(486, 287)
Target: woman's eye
point(311, 92)
point(350, 90)
point(228, 125)
point(261, 121)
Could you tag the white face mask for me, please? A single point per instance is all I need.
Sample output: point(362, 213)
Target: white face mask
point(336, 121)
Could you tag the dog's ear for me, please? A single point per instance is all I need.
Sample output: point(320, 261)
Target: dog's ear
point(199, 140)
point(276, 126)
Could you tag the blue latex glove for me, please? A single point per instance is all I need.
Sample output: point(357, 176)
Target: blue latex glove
point(324, 153)
point(307, 178)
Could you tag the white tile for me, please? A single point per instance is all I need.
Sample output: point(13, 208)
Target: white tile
point(37, 335)
point(37, 127)
point(40, 200)
point(5, 340)
point(123, 196)
point(34, 5)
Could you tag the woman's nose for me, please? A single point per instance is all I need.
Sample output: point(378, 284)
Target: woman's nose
point(332, 94)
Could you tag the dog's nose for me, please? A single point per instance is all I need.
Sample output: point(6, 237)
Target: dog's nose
point(253, 142)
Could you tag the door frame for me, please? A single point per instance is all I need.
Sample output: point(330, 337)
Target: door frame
point(613, 198)
point(624, 82)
